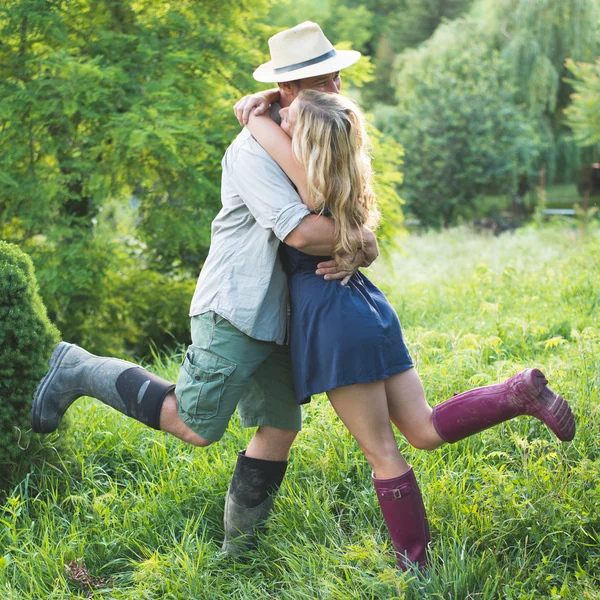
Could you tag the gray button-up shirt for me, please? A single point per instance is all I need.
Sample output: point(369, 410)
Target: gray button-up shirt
point(242, 279)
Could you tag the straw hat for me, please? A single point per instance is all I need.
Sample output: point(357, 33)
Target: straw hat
point(300, 52)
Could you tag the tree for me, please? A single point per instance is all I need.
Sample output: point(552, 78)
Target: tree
point(536, 37)
point(378, 28)
point(112, 103)
point(583, 114)
point(533, 37)
point(113, 99)
point(109, 100)
point(463, 136)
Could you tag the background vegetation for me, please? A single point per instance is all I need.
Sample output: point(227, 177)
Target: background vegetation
point(114, 117)
point(513, 512)
point(27, 339)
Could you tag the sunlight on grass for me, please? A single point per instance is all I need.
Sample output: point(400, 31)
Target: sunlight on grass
point(513, 512)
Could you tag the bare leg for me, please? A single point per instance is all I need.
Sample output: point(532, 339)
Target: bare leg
point(270, 443)
point(363, 408)
point(171, 422)
point(409, 410)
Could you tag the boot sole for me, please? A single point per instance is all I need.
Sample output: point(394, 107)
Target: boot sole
point(550, 408)
point(36, 405)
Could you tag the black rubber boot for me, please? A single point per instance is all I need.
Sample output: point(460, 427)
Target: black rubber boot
point(254, 484)
point(120, 384)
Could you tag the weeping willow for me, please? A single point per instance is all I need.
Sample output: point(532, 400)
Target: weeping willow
point(534, 38)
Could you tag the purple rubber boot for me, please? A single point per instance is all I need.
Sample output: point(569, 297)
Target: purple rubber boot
point(524, 394)
point(404, 514)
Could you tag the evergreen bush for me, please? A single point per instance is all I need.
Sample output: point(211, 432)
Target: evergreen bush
point(27, 339)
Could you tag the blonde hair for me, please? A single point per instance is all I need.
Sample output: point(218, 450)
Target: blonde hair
point(330, 140)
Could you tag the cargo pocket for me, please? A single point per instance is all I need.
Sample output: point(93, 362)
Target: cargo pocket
point(201, 382)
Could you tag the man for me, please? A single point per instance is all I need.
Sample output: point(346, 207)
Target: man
point(238, 313)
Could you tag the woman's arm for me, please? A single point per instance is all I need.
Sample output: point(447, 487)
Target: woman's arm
point(277, 143)
point(258, 103)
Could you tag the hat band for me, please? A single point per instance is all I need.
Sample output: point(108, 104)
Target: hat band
point(306, 63)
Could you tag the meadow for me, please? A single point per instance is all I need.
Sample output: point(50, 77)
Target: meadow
point(513, 512)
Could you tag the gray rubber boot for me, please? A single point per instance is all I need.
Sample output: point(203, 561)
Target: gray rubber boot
point(249, 500)
point(243, 524)
point(75, 372)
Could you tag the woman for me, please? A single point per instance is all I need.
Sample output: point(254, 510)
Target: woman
point(346, 339)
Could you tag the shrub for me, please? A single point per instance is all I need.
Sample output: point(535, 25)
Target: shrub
point(463, 136)
point(27, 339)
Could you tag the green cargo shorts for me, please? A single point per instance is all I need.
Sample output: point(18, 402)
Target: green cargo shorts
point(224, 368)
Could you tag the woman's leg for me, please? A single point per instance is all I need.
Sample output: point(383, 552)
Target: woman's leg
point(409, 410)
point(363, 408)
point(473, 411)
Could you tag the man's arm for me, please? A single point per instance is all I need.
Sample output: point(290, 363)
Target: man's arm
point(316, 235)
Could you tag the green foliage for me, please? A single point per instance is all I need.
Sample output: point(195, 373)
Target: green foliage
point(387, 160)
point(104, 102)
point(27, 338)
point(513, 512)
point(407, 24)
point(73, 267)
point(583, 115)
point(111, 99)
point(462, 132)
point(414, 21)
point(107, 105)
point(143, 310)
point(536, 37)
point(533, 38)
point(378, 28)
point(340, 20)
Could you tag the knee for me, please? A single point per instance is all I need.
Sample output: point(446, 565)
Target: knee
point(280, 437)
point(270, 443)
point(199, 441)
point(424, 441)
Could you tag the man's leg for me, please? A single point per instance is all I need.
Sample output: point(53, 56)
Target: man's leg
point(270, 443)
point(217, 370)
point(269, 404)
point(171, 422)
point(75, 372)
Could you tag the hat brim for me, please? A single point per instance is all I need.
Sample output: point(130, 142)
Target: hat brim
point(342, 59)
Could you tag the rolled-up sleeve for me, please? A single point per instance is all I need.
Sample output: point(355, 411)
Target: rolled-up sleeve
point(266, 190)
point(288, 219)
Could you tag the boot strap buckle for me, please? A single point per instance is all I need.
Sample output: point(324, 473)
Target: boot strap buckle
point(397, 494)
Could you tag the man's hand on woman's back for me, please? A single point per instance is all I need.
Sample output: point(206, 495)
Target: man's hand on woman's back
point(364, 258)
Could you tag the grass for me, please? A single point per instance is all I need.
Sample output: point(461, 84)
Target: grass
point(513, 512)
point(562, 195)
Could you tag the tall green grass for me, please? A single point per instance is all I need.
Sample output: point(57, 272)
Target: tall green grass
point(513, 512)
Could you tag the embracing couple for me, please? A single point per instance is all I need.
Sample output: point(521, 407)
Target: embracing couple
point(281, 312)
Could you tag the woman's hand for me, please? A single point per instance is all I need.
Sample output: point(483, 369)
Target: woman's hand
point(259, 103)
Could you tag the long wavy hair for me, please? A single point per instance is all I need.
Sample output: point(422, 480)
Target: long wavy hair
point(330, 140)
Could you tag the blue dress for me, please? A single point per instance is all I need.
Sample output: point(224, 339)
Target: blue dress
point(339, 335)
